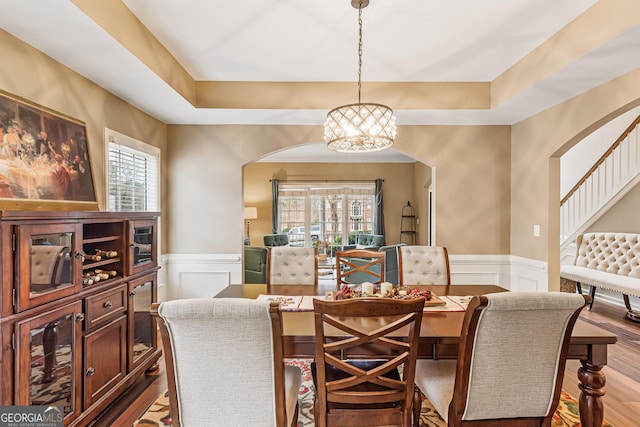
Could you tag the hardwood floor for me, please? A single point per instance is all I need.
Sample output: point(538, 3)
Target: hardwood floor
point(622, 398)
point(622, 373)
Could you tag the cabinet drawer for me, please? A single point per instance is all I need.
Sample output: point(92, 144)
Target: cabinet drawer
point(105, 306)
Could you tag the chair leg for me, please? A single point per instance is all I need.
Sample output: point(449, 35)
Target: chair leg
point(417, 405)
point(579, 287)
point(592, 294)
point(316, 421)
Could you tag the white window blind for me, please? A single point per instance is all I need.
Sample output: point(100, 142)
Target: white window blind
point(133, 171)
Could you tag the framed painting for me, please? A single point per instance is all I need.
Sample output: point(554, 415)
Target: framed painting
point(44, 158)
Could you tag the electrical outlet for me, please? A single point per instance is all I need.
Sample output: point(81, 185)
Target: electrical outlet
point(536, 230)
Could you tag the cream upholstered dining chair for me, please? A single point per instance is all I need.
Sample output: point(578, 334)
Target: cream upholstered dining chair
point(511, 360)
point(225, 364)
point(423, 265)
point(291, 265)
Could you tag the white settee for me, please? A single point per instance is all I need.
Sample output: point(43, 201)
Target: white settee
point(609, 261)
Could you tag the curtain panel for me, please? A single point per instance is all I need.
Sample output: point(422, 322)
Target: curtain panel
point(274, 205)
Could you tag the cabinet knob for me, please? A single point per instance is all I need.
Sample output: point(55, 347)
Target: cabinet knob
point(90, 371)
point(132, 293)
point(108, 305)
point(80, 317)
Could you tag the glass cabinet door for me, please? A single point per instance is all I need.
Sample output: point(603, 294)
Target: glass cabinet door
point(142, 328)
point(143, 238)
point(48, 360)
point(47, 263)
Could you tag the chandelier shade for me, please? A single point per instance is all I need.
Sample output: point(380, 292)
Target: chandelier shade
point(360, 127)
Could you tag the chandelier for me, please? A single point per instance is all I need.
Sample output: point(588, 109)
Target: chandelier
point(360, 127)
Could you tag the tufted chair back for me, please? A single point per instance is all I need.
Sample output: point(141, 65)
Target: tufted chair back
point(291, 265)
point(47, 264)
point(617, 253)
point(276, 239)
point(423, 265)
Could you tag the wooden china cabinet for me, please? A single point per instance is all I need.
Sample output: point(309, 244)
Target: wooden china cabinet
point(75, 326)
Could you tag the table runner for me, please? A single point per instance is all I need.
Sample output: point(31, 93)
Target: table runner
point(305, 302)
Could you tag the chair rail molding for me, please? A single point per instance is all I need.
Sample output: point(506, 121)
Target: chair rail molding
point(200, 275)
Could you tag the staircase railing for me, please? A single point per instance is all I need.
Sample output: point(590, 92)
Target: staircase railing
point(611, 176)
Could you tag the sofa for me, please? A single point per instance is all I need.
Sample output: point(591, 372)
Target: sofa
point(255, 264)
point(370, 241)
point(271, 240)
point(391, 263)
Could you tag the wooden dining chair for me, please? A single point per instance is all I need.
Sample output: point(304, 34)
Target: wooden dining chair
point(360, 343)
point(225, 365)
point(511, 360)
point(356, 266)
point(423, 265)
point(291, 265)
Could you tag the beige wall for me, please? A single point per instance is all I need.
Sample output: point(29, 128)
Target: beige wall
point(423, 181)
point(397, 188)
point(623, 216)
point(205, 180)
point(472, 184)
point(537, 144)
point(28, 73)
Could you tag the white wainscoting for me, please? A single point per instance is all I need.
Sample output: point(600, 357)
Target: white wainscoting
point(198, 276)
point(528, 275)
point(612, 297)
point(480, 270)
point(162, 280)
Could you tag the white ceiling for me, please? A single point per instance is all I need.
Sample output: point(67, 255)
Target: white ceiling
point(305, 40)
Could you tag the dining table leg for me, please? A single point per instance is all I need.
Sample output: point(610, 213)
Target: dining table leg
point(591, 385)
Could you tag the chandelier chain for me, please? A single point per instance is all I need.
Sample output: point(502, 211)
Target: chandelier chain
point(360, 127)
point(359, 52)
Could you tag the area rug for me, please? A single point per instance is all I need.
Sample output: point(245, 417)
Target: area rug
point(158, 414)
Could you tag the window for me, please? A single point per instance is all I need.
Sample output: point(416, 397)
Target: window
point(356, 209)
point(133, 174)
point(334, 212)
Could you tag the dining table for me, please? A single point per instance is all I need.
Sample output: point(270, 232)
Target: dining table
point(440, 334)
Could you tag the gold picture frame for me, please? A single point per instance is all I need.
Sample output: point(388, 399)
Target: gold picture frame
point(44, 158)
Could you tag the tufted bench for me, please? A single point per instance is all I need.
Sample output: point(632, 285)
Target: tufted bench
point(609, 261)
